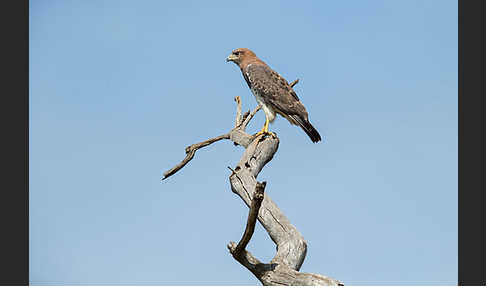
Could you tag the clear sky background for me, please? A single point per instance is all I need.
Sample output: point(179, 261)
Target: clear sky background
point(118, 89)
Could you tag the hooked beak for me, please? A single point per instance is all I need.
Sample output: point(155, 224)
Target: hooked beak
point(231, 58)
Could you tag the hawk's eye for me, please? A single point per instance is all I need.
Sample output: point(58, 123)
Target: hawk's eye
point(236, 53)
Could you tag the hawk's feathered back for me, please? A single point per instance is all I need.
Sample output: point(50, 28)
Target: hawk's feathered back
point(273, 92)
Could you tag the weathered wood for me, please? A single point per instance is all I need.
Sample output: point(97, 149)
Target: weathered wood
point(238, 251)
point(237, 135)
point(238, 111)
point(191, 151)
point(256, 203)
point(284, 268)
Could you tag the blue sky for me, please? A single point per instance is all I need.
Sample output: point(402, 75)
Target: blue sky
point(118, 89)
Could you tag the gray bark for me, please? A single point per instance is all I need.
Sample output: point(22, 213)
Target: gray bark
point(284, 268)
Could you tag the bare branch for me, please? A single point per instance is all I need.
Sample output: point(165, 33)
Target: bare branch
point(248, 260)
point(238, 119)
point(238, 251)
point(252, 217)
point(245, 115)
point(291, 246)
point(237, 135)
point(247, 120)
point(190, 151)
point(284, 268)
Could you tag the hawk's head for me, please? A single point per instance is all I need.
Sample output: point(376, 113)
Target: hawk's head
point(240, 55)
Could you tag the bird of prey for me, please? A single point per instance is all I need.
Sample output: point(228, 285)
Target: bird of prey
point(272, 92)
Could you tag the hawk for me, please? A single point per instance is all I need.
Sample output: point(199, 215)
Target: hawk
point(272, 92)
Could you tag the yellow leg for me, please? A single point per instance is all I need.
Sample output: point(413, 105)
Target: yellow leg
point(265, 128)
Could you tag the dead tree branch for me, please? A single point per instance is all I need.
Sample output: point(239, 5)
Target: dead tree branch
point(191, 151)
point(284, 268)
point(252, 217)
point(237, 135)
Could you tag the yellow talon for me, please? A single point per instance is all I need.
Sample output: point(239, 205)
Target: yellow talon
point(265, 128)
